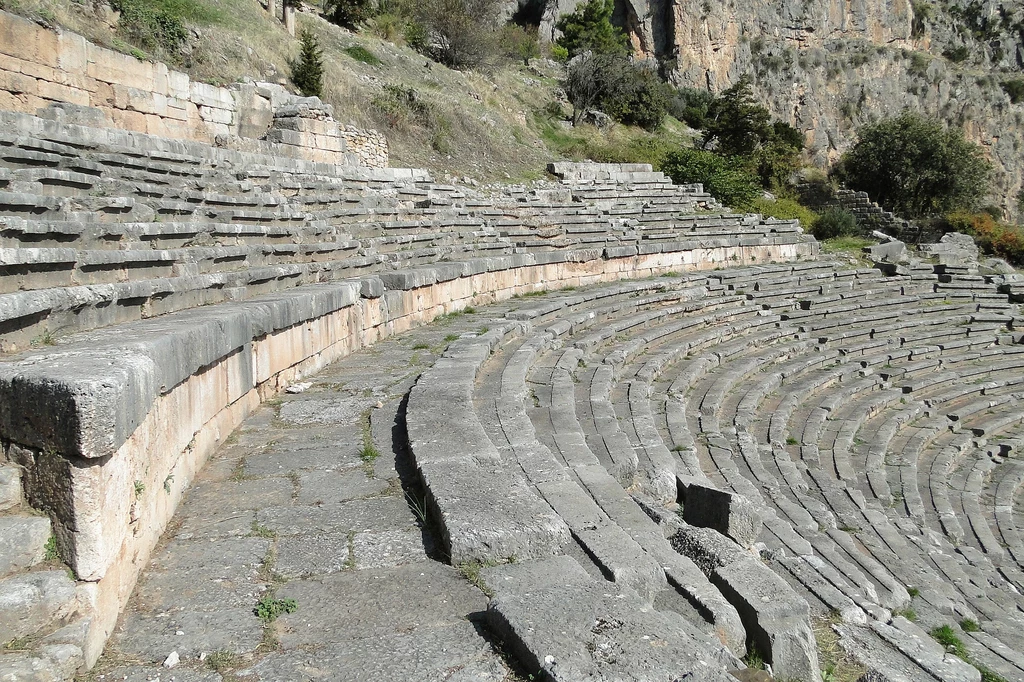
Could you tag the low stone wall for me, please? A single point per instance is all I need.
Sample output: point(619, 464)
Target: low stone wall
point(41, 69)
point(369, 146)
point(112, 427)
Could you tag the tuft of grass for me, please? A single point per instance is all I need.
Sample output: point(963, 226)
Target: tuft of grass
point(451, 337)
point(791, 441)
point(909, 614)
point(361, 54)
point(268, 608)
point(968, 625)
point(913, 592)
point(845, 244)
point(421, 346)
point(222, 660)
point(754, 658)
point(261, 531)
point(947, 637)
point(470, 570)
point(418, 505)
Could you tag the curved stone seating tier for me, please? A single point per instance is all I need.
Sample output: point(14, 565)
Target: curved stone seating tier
point(153, 293)
point(870, 424)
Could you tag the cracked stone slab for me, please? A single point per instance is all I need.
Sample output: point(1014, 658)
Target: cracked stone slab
point(390, 548)
point(314, 554)
point(320, 487)
point(558, 620)
point(333, 410)
point(377, 513)
point(375, 602)
point(449, 653)
point(204, 575)
point(190, 633)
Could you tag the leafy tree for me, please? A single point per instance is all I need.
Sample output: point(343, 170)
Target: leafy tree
point(461, 34)
point(726, 179)
point(736, 123)
point(308, 69)
point(915, 167)
point(348, 12)
point(520, 43)
point(590, 28)
point(628, 92)
point(690, 105)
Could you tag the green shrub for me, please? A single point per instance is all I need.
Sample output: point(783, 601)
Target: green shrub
point(956, 54)
point(361, 54)
point(785, 209)
point(915, 167)
point(834, 222)
point(160, 24)
point(1015, 89)
point(589, 29)
point(416, 36)
point(629, 92)
point(348, 12)
point(308, 69)
point(737, 125)
point(689, 105)
point(638, 99)
point(387, 26)
point(726, 179)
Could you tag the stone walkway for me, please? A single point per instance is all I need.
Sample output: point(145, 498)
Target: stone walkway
point(312, 504)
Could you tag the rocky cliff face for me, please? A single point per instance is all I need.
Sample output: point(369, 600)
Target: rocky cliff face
point(830, 66)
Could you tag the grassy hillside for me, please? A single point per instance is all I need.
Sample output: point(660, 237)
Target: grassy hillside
point(499, 125)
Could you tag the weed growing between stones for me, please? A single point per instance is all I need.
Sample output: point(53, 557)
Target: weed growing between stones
point(470, 570)
point(450, 337)
point(52, 553)
point(418, 505)
point(261, 531)
point(909, 614)
point(754, 659)
point(268, 609)
point(968, 625)
point(947, 637)
point(222, 660)
point(238, 472)
point(368, 452)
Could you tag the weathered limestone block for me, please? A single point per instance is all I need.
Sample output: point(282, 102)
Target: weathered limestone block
point(726, 512)
point(775, 616)
point(30, 602)
point(557, 619)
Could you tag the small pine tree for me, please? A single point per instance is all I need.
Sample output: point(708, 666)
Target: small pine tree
point(308, 69)
point(590, 28)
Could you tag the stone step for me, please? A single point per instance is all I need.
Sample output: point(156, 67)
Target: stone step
point(24, 542)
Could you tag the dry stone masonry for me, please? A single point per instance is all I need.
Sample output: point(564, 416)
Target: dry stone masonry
point(68, 78)
point(275, 418)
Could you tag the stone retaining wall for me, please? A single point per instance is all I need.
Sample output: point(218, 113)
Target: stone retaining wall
point(42, 70)
point(112, 428)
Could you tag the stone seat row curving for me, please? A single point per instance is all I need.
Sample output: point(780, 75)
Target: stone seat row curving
point(821, 431)
point(165, 288)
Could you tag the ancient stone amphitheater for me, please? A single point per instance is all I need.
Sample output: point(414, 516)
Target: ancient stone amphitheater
point(266, 418)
